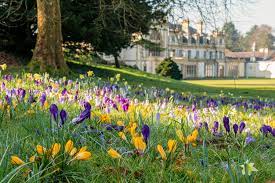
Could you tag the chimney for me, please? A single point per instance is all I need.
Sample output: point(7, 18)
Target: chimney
point(200, 27)
point(185, 25)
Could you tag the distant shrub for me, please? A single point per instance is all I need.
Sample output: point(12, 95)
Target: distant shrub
point(169, 68)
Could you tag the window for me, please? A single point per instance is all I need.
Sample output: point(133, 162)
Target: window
point(210, 55)
point(197, 54)
point(179, 53)
point(184, 39)
point(221, 41)
point(209, 70)
point(204, 54)
point(154, 53)
point(144, 68)
point(191, 71)
point(193, 40)
point(189, 54)
point(233, 71)
point(172, 53)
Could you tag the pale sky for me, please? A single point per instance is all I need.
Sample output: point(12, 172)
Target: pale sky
point(261, 12)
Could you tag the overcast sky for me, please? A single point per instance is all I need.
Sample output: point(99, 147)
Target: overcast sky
point(261, 12)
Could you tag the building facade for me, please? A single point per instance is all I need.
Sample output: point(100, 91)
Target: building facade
point(197, 54)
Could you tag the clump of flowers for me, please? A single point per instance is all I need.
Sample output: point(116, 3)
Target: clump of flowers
point(53, 160)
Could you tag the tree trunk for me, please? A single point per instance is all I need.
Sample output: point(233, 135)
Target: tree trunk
point(48, 54)
point(117, 62)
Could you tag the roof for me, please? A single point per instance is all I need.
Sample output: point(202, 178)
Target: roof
point(244, 55)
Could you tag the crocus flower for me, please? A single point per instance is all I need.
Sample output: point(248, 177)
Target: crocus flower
point(205, 124)
point(54, 111)
point(55, 149)
point(242, 126)
point(40, 149)
point(84, 114)
point(235, 128)
point(43, 99)
point(63, 117)
point(265, 129)
point(8, 99)
point(226, 123)
point(249, 139)
point(15, 160)
point(139, 144)
point(114, 154)
point(69, 146)
point(161, 152)
point(215, 127)
point(84, 155)
point(172, 145)
point(273, 132)
point(145, 132)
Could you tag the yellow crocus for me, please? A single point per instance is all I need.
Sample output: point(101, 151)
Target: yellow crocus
point(195, 133)
point(82, 149)
point(133, 129)
point(120, 123)
point(69, 146)
point(122, 135)
point(40, 149)
point(32, 159)
point(90, 73)
point(172, 145)
point(139, 143)
point(55, 149)
point(161, 152)
point(15, 160)
point(73, 151)
point(84, 155)
point(114, 154)
point(81, 76)
point(3, 66)
point(180, 135)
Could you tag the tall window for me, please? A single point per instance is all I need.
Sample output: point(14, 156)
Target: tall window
point(210, 55)
point(189, 54)
point(204, 54)
point(209, 70)
point(197, 54)
point(191, 71)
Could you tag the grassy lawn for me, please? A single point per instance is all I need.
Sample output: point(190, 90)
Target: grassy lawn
point(240, 87)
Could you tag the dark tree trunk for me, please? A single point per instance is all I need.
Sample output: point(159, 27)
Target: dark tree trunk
point(48, 54)
point(117, 62)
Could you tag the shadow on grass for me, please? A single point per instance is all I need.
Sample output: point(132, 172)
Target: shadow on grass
point(136, 77)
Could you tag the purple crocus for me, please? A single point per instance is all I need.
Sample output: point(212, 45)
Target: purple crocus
point(54, 111)
point(249, 139)
point(21, 94)
point(63, 117)
point(145, 132)
point(242, 126)
point(235, 128)
point(215, 127)
point(226, 123)
point(8, 99)
point(84, 114)
point(265, 129)
point(43, 99)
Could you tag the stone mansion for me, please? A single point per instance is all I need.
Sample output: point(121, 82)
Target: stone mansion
point(197, 53)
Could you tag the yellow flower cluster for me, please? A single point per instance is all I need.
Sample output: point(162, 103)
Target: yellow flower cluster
point(81, 154)
point(172, 146)
point(190, 139)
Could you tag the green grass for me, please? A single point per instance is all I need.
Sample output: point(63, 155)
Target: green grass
point(240, 87)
